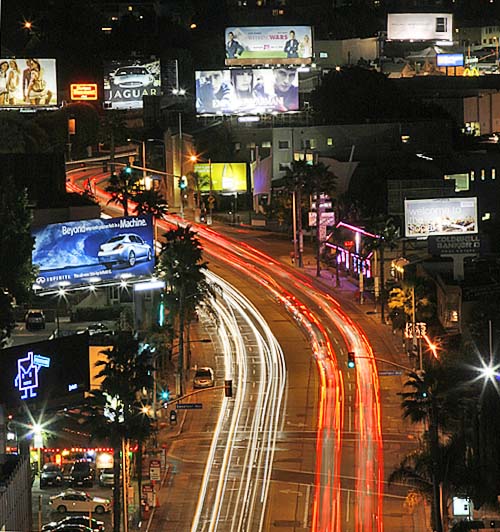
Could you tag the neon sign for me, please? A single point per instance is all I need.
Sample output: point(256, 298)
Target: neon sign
point(26, 380)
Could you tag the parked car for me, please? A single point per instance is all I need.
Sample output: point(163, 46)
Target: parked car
point(75, 520)
point(98, 328)
point(126, 249)
point(131, 77)
point(82, 474)
point(34, 319)
point(106, 477)
point(203, 378)
point(73, 528)
point(79, 501)
point(51, 475)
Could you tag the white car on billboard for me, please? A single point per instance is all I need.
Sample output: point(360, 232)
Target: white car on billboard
point(124, 249)
point(130, 77)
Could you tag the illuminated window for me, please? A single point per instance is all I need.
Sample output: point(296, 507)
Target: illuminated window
point(283, 144)
point(493, 173)
point(405, 139)
point(472, 176)
point(483, 175)
point(486, 216)
point(454, 316)
point(323, 55)
point(329, 141)
point(266, 144)
point(461, 181)
point(130, 8)
point(237, 146)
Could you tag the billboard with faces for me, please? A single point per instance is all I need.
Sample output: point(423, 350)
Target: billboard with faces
point(28, 82)
point(256, 45)
point(127, 82)
point(247, 91)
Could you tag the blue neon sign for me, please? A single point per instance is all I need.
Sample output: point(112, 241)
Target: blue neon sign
point(26, 380)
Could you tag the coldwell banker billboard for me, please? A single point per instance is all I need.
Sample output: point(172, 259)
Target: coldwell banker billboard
point(247, 91)
point(440, 216)
point(268, 45)
point(225, 177)
point(87, 251)
point(28, 82)
point(420, 26)
point(126, 82)
point(45, 371)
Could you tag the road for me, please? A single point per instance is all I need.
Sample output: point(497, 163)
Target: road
point(338, 478)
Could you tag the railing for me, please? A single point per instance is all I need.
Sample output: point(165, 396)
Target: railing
point(15, 498)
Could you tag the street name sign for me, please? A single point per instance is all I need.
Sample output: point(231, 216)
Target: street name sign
point(189, 406)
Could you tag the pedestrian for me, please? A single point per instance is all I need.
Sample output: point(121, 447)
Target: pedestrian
point(292, 257)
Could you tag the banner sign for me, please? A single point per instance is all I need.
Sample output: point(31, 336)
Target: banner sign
point(88, 251)
point(268, 45)
point(450, 60)
point(454, 245)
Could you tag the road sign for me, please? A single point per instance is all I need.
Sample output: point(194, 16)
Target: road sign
point(189, 406)
point(389, 372)
point(154, 470)
point(419, 332)
point(211, 199)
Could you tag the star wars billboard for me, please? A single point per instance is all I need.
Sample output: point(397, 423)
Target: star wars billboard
point(289, 45)
point(126, 82)
point(89, 251)
point(247, 91)
point(45, 372)
point(28, 82)
point(440, 216)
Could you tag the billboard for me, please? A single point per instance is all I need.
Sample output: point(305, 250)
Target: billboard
point(440, 216)
point(28, 82)
point(127, 81)
point(450, 60)
point(247, 91)
point(269, 45)
point(45, 371)
point(420, 26)
point(88, 251)
point(225, 177)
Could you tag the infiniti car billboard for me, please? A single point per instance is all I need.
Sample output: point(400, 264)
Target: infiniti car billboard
point(88, 251)
point(126, 82)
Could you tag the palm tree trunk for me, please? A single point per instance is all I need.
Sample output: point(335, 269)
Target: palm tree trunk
point(116, 487)
point(300, 261)
point(181, 342)
point(318, 232)
point(382, 283)
point(139, 473)
point(112, 152)
point(436, 491)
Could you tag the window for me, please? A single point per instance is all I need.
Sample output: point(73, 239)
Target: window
point(329, 141)
point(305, 144)
point(284, 167)
point(441, 24)
point(266, 144)
point(323, 55)
point(486, 216)
point(283, 144)
point(251, 145)
point(493, 173)
point(237, 146)
point(472, 176)
point(483, 175)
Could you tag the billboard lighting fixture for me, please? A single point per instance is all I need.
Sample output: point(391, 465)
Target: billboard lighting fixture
point(248, 119)
point(444, 43)
point(303, 69)
point(126, 276)
point(93, 280)
point(154, 284)
point(123, 283)
point(61, 291)
point(62, 284)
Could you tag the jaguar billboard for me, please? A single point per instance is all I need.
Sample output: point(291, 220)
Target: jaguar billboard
point(88, 251)
point(126, 82)
point(440, 216)
point(247, 91)
point(268, 45)
point(28, 82)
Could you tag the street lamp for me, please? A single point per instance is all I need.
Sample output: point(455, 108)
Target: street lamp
point(143, 143)
point(195, 159)
point(147, 180)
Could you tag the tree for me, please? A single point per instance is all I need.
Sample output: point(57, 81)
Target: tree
point(150, 202)
point(122, 187)
point(7, 320)
point(197, 182)
point(112, 130)
point(16, 272)
point(115, 409)
point(181, 265)
point(410, 295)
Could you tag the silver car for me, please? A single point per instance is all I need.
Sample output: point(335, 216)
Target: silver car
point(126, 249)
point(203, 378)
point(131, 77)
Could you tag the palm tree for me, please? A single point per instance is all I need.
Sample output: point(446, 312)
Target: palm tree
point(122, 188)
point(114, 411)
point(112, 130)
point(320, 181)
point(181, 265)
point(196, 183)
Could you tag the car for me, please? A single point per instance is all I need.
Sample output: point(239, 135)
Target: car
point(75, 520)
point(72, 528)
point(78, 501)
point(98, 328)
point(34, 319)
point(126, 249)
point(106, 477)
point(203, 378)
point(131, 77)
point(51, 475)
point(82, 474)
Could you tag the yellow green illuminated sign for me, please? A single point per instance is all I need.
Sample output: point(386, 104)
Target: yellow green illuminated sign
point(225, 177)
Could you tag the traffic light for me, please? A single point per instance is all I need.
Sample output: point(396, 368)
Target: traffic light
point(127, 169)
point(161, 312)
point(228, 388)
point(182, 182)
point(351, 362)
